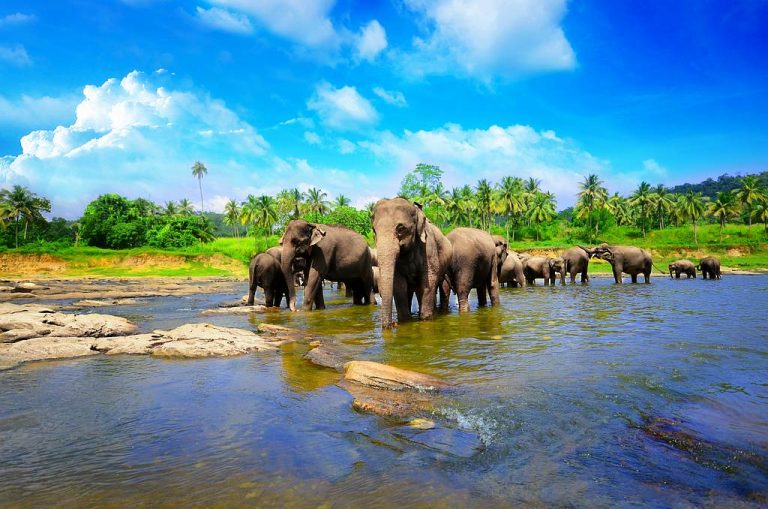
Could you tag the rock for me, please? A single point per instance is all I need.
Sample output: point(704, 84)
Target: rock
point(382, 376)
point(140, 344)
point(325, 356)
point(205, 340)
point(280, 333)
point(13, 354)
point(240, 310)
point(421, 423)
point(448, 441)
point(6, 289)
point(6, 308)
point(17, 322)
point(28, 287)
point(315, 343)
point(386, 403)
point(93, 303)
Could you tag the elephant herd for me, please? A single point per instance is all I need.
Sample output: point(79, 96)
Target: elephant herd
point(413, 258)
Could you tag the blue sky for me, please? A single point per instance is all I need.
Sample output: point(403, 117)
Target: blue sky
point(124, 96)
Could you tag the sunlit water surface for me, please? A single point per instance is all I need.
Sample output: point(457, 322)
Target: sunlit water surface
point(556, 395)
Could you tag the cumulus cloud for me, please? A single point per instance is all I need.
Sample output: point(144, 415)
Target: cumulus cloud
point(654, 168)
point(306, 22)
point(371, 41)
point(485, 39)
point(139, 138)
point(16, 55)
point(347, 147)
point(30, 112)
point(15, 19)
point(221, 19)
point(342, 108)
point(468, 155)
point(312, 138)
point(393, 97)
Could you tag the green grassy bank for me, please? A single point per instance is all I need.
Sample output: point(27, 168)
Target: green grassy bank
point(741, 248)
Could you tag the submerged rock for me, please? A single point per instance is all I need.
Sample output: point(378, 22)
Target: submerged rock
point(231, 310)
point(386, 403)
point(280, 333)
point(93, 303)
point(382, 376)
point(326, 356)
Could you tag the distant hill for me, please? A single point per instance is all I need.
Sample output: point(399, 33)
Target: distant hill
point(725, 182)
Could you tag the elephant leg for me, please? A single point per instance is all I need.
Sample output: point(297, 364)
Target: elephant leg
point(269, 297)
point(647, 276)
point(617, 270)
point(482, 296)
point(251, 294)
point(319, 299)
point(312, 289)
point(445, 293)
point(634, 277)
point(402, 298)
point(493, 289)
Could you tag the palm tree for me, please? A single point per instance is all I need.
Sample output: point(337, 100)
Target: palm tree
point(199, 171)
point(467, 204)
point(186, 208)
point(693, 208)
point(618, 206)
point(454, 207)
point(19, 203)
point(249, 212)
point(289, 202)
point(542, 209)
point(723, 208)
point(341, 201)
point(677, 214)
point(232, 216)
point(592, 197)
point(316, 202)
point(760, 212)
point(748, 194)
point(170, 209)
point(642, 200)
point(663, 203)
point(266, 213)
point(483, 198)
point(511, 200)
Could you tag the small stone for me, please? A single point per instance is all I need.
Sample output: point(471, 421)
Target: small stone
point(420, 423)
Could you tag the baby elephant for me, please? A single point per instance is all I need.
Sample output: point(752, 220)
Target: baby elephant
point(265, 271)
point(682, 267)
point(709, 267)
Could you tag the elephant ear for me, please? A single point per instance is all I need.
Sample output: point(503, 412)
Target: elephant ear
point(421, 223)
point(283, 237)
point(317, 235)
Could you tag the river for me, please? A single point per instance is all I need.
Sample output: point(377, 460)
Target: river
point(587, 395)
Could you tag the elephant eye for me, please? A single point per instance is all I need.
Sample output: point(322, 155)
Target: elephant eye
point(400, 229)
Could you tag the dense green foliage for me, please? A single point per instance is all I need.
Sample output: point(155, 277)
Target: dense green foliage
point(724, 183)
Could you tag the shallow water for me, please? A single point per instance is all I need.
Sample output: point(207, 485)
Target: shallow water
point(560, 395)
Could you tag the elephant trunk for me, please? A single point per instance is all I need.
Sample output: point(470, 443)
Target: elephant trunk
point(387, 259)
point(286, 265)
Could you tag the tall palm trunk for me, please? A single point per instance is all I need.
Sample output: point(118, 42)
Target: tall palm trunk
point(200, 183)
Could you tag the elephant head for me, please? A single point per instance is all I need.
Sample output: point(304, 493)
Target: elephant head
point(400, 230)
point(297, 242)
point(502, 249)
point(557, 264)
point(589, 250)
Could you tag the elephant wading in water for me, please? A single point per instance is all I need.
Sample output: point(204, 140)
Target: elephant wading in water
point(265, 271)
point(512, 271)
point(330, 252)
point(626, 259)
point(709, 267)
point(474, 265)
point(413, 256)
point(535, 267)
point(682, 267)
point(576, 261)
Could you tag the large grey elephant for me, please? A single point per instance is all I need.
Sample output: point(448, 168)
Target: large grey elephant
point(557, 266)
point(330, 252)
point(535, 267)
point(682, 267)
point(512, 271)
point(626, 260)
point(413, 256)
point(474, 265)
point(265, 271)
point(576, 260)
point(709, 267)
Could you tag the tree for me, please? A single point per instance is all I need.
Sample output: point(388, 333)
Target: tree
point(266, 213)
point(20, 204)
point(341, 201)
point(511, 201)
point(170, 209)
point(199, 171)
point(483, 200)
point(693, 208)
point(186, 208)
point(289, 202)
point(418, 183)
point(642, 200)
point(618, 206)
point(232, 216)
point(723, 208)
point(748, 194)
point(591, 197)
point(316, 202)
point(760, 212)
point(542, 209)
point(662, 203)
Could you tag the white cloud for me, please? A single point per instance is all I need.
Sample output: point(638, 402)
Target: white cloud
point(371, 41)
point(347, 147)
point(137, 138)
point(221, 19)
point(468, 155)
point(654, 168)
point(16, 55)
point(312, 138)
point(15, 19)
point(393, 97)
point(485, 39)
point(306, 22)
point(30, 112)
point(342, 108)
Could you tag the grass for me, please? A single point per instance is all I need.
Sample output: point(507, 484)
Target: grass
point(740, 248)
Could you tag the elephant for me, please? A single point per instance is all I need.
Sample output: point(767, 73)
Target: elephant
point(626, 259)
point(557, 266)
point(376, 275)
point(474, 265)
point(576, 261)
point(330, 252)
point(299, 264)
point(502, 249)
point(276, 252)
point(265, 271)
point(537, 267)
point(413, 256)
point(709, 267)
point(374, 256)
point(512, 271)
point(682, 267)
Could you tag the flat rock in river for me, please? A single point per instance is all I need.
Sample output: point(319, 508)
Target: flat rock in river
point(13, 354)
point(382, 376)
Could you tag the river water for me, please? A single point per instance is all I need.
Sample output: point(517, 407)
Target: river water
point(587, 395)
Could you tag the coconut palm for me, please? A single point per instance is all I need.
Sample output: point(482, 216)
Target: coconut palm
point(760, 212)
point(467, 204)
point(642, 201)
point(289, 202)
point(542, 209)
point(483, 199)
point(232, 216)
point(511, 200)
point(266, 213)
point(316, 202)
point(170, 209)
point(749, 194)
point(199, 171)
point(693, 209)
point(592, 196)
point(20, 204)
point(454, 207)
point(723, 208)
point(341, 201)
point(186, 208)
point(618, 206)
point(662, 203)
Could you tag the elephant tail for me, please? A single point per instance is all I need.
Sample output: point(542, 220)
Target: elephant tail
point(657, 268)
